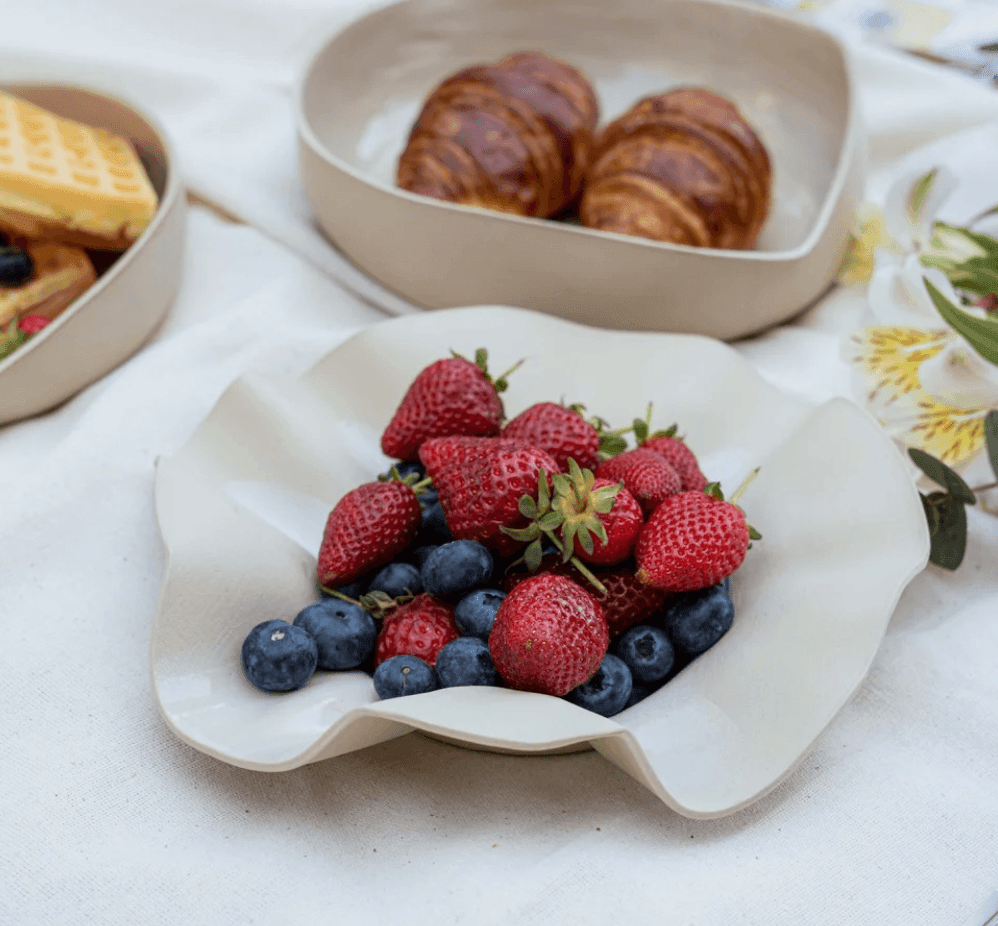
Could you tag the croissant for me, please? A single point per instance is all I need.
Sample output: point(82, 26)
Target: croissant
point(513, 136)
point(683, 167)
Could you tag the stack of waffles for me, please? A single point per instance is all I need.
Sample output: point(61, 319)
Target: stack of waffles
point(72, 197)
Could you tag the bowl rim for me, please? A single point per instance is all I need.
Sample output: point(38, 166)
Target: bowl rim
point(172, 191)
point(850, 139)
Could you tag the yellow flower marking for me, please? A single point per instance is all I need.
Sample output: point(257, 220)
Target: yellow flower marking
point(952, 435)
point(889, 358)
point(869, 232)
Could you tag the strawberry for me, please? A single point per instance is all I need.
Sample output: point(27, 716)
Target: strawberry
point(559, 430)
point(549, 635)
point(627, 601)
point(679, 456)
point(451, 396)
point(646, 475)
point(368, 528)
point(482, 496)
point(621, 524)
point(420, 627)
point(438, 452)
point(32, 324)
point(691, 541)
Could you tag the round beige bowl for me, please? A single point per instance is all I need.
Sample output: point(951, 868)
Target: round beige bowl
point(364, 88)
point(112, 319)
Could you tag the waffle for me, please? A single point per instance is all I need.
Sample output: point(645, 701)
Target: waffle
point(61, 274)
point(65, 181)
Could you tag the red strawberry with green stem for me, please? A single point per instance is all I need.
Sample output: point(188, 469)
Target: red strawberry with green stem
point(693, 540)
point(368, 528)
point(420, 627)
point(560, 430)
point(549, 635)
point(482, 496)
point(450, 396)
point(645, 474)
point(675, 451)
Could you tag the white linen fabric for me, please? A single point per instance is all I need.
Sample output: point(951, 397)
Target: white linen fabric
point(108, 818)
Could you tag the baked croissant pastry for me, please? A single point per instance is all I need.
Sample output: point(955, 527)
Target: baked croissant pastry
point(683, 167)
point(513, 136)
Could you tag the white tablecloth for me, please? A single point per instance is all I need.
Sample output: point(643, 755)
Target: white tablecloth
point(108, 818)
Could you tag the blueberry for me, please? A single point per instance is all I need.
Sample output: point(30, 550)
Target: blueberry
point(344, 632)
point(16, 266)
point(433, 528)
point(456, 568)
point(397, 579)
point(466, 661)
point(695, 621)
point(608, 691)
point(428, 497)
point(403, 675)
point(648, 653)
point(475, 612)
point(277, 656)
point(419, 554)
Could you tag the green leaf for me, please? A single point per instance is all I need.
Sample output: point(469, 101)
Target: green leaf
point(530, 532)
point(527, 507)
point(640, 430)
point(543, 494)
point(981, 333)
point(551, 521)
point(949, 542)
point(931, 514)
point(533, 555)
point(969, 259)
point(612, 444)
point(940, 473)
point(562, 484)
point(585, 539)
point(482, 359)
point(753, 533)
point(991, 437)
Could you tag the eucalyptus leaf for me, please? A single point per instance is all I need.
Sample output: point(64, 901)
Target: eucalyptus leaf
point(940, 473)
point(980, 333)
point(931, 514)
point(991, 437)
point(949, 542)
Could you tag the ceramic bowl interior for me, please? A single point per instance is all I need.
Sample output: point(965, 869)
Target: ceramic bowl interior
point(365, 87)
point(242, 506)
point(111, 320)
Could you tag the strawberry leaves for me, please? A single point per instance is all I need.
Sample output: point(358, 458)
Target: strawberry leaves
point(570, 512)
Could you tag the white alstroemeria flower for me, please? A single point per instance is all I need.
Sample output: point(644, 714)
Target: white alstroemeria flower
point(960, 377)
point(897, 293)
point(927, 386)
point(912, 205)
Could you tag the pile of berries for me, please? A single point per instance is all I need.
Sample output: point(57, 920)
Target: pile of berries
point(540, 553)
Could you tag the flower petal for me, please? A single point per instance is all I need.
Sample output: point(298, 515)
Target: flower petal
point(960, 377)
point(910, 222)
